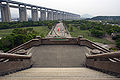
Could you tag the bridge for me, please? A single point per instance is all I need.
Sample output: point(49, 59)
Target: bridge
point(60, 57)
point(45, 13)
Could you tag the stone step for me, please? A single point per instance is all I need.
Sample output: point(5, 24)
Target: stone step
point(59, 74)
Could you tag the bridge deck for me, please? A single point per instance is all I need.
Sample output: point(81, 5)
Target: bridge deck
point(58, 56)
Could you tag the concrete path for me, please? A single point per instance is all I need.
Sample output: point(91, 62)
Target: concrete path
point(58, 74)
point(59, 56)
point(59, 31)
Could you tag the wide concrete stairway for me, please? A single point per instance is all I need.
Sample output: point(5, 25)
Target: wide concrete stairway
point(58, 62)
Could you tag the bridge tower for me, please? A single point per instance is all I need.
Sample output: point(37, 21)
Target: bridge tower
point(5, 12)
point(43, 15)
point(35, 14)
point(22, 13)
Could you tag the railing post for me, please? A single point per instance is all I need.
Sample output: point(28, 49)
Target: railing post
point(79, 38)
point(39, 37)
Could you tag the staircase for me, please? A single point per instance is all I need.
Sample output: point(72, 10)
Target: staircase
point(58, 74)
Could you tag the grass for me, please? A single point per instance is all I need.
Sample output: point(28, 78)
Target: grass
point(86, 34)
point(42, 31)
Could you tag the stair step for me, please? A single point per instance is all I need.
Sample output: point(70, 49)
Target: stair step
point(59, 74)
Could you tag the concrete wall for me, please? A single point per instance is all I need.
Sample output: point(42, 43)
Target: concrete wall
point(104, 65)
point(13, 66)
point(92, 45)
point(69, 41)
point(27, 45)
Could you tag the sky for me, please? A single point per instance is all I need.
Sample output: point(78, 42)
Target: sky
point(91, 7)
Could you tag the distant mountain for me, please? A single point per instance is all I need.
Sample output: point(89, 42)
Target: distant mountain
point(86, 16)
point(106, 18)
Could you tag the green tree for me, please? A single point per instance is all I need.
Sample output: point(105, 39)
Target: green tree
point(97, 33)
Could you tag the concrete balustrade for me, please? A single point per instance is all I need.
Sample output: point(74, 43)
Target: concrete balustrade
point(46, 13)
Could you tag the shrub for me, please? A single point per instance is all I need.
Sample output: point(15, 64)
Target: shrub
point(97, 33)
point(18, 36)
point(71, 29)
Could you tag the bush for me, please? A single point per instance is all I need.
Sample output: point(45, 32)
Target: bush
point(18, 36)
point(97, 33)
point(8, 25)
point(71, 29)
point(118, 43)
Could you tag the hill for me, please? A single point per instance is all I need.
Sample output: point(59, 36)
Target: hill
point(106, 18)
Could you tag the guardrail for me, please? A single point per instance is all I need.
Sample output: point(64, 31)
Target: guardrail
point(59, 41)
point(102, 62)
point(14, 62)
point(105, 55)
point(15, 56)
point(27, 45)
point(92, 45)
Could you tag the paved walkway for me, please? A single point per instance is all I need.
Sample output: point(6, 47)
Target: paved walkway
point(59, 31)
point(59, 56)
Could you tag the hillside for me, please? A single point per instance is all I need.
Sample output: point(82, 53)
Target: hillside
point(106, 18)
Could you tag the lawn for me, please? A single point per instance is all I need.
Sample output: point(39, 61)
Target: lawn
point(42, 31)
point(86, 34)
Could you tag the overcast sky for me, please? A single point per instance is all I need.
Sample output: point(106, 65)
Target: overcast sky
point(92, 7)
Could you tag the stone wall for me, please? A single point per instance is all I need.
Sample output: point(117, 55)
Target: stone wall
point(67, 41)
point(104, 65)
point(13, 66)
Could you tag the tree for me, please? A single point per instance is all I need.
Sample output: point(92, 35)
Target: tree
point(97, 33)
point(18, 36)
point(71, 29)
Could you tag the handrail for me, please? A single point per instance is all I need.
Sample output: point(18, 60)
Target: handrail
point(60, 38)
point(15, 56)
point(106, 55)
point(96, 45)
point(20, 46)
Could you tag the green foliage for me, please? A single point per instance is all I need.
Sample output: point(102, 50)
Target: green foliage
point(118, 43)
point(8, 25)
point(17, 37)
point(117, 40)
point(87, 25)
point(86, 34)
point(97, 33)
point(71, 29)
point(85, 28)
point(106, 18)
